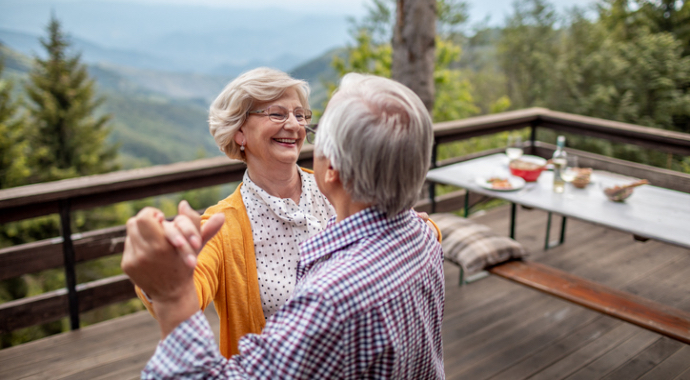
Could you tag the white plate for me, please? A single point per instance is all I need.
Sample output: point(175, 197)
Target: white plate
point(517, 183)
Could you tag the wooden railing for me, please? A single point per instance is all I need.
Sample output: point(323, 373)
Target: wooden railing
point(65, 196)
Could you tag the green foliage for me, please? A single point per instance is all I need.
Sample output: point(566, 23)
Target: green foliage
point(67, 139)
point(372, 54)
point(623, 67)
point(365, 57)
point(642, 81)
point(61, 137)
point(159, 131)
point(528, 52)
point(454, 99)
point(626, 18)
point(13, 146)
point(630, 65)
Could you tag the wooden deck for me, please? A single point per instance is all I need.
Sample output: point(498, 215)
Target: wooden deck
point(493, 328)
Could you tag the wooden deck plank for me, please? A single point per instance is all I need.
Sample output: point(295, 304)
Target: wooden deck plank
point(497, 309)
point(129, 341)
point(588, 353)
point(646, 359)
point(511, 352)
point(28, 358)
point(610, 361)
point(673, 366)
point(683, 376)
point(468, 353)
point(464, 334)
point(558, 348)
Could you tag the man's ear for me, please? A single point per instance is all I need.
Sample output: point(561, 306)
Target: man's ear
point(332, 176)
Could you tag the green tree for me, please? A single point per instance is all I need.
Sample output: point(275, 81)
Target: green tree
point(527, 51)
point(372, 53)
point(640, 76)
point(69, 140)
point(626, 18)
point(14, 170)
point(66, 138)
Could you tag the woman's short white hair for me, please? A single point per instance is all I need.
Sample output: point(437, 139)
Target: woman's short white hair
point(229, 111)
point(378, 135)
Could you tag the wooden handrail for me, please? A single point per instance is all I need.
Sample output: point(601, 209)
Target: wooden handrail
point(104, 189)
point(655, 138)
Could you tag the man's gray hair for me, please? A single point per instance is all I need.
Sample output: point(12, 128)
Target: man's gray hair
point(229, 111)
point(378, 135)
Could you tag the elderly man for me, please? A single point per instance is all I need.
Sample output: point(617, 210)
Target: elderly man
point(369, 298)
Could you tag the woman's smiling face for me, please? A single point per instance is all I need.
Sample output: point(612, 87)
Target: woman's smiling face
point(267, 142)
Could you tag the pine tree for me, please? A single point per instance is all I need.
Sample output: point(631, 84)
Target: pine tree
point(68, 139)
point(13, 146)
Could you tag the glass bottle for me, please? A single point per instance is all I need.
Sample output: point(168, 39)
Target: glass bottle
point(560, 161)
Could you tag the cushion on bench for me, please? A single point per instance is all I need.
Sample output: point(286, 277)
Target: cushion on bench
point(472, 246)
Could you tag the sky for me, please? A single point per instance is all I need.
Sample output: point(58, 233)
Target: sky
point(495, 10)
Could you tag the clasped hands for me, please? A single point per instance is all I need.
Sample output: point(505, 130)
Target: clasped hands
point(160, 257)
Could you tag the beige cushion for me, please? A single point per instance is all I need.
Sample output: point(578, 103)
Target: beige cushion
point(474, 246)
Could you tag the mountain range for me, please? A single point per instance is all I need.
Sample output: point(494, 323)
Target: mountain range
point(176, 37)
point(160, 117)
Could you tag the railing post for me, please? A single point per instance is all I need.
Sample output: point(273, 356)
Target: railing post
point(70, 274)
point(533, 137)
point(432, 185)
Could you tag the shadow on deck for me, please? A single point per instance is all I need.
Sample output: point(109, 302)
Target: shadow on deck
point(493, 328)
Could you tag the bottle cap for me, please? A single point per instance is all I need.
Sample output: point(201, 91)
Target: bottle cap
point(560, 141)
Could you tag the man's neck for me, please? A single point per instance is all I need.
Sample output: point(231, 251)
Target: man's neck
point(345, 207)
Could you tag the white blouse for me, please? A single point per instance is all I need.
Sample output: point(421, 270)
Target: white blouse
point(278, 226)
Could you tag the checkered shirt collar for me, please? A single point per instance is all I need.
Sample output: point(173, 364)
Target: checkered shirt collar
point(338, 236)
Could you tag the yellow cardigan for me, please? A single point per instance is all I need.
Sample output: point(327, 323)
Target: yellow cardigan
point(226, 275)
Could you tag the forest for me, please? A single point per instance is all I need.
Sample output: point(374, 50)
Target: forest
point(625, 60)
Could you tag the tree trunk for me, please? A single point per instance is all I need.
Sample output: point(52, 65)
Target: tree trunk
point(414, 47)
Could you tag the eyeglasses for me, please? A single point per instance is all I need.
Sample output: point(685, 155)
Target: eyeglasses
point(311, 132)
point(280, 114)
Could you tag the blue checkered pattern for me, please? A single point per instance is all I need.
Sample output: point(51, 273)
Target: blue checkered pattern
point(368, 304)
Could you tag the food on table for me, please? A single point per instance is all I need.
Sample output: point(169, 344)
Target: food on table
point(582, 177)
point(620, 193)
point(499, 183)
point(524, 165)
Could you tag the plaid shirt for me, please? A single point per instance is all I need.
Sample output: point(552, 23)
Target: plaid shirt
point(368, 304)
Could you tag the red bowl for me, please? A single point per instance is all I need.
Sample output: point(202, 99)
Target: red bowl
point(526, 174)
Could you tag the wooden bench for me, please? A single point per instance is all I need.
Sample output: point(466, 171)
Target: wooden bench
point(472, 246)
point(662, 319)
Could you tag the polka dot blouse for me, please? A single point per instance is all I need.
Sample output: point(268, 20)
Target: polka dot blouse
point(278, 226)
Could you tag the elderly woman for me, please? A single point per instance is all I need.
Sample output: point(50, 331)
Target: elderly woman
point(248, 269)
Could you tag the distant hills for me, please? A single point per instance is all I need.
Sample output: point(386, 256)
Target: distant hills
point(160, 65)
point(173, 37)
point(160, 117)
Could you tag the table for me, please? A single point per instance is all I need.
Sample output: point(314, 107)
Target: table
point(651, 212)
